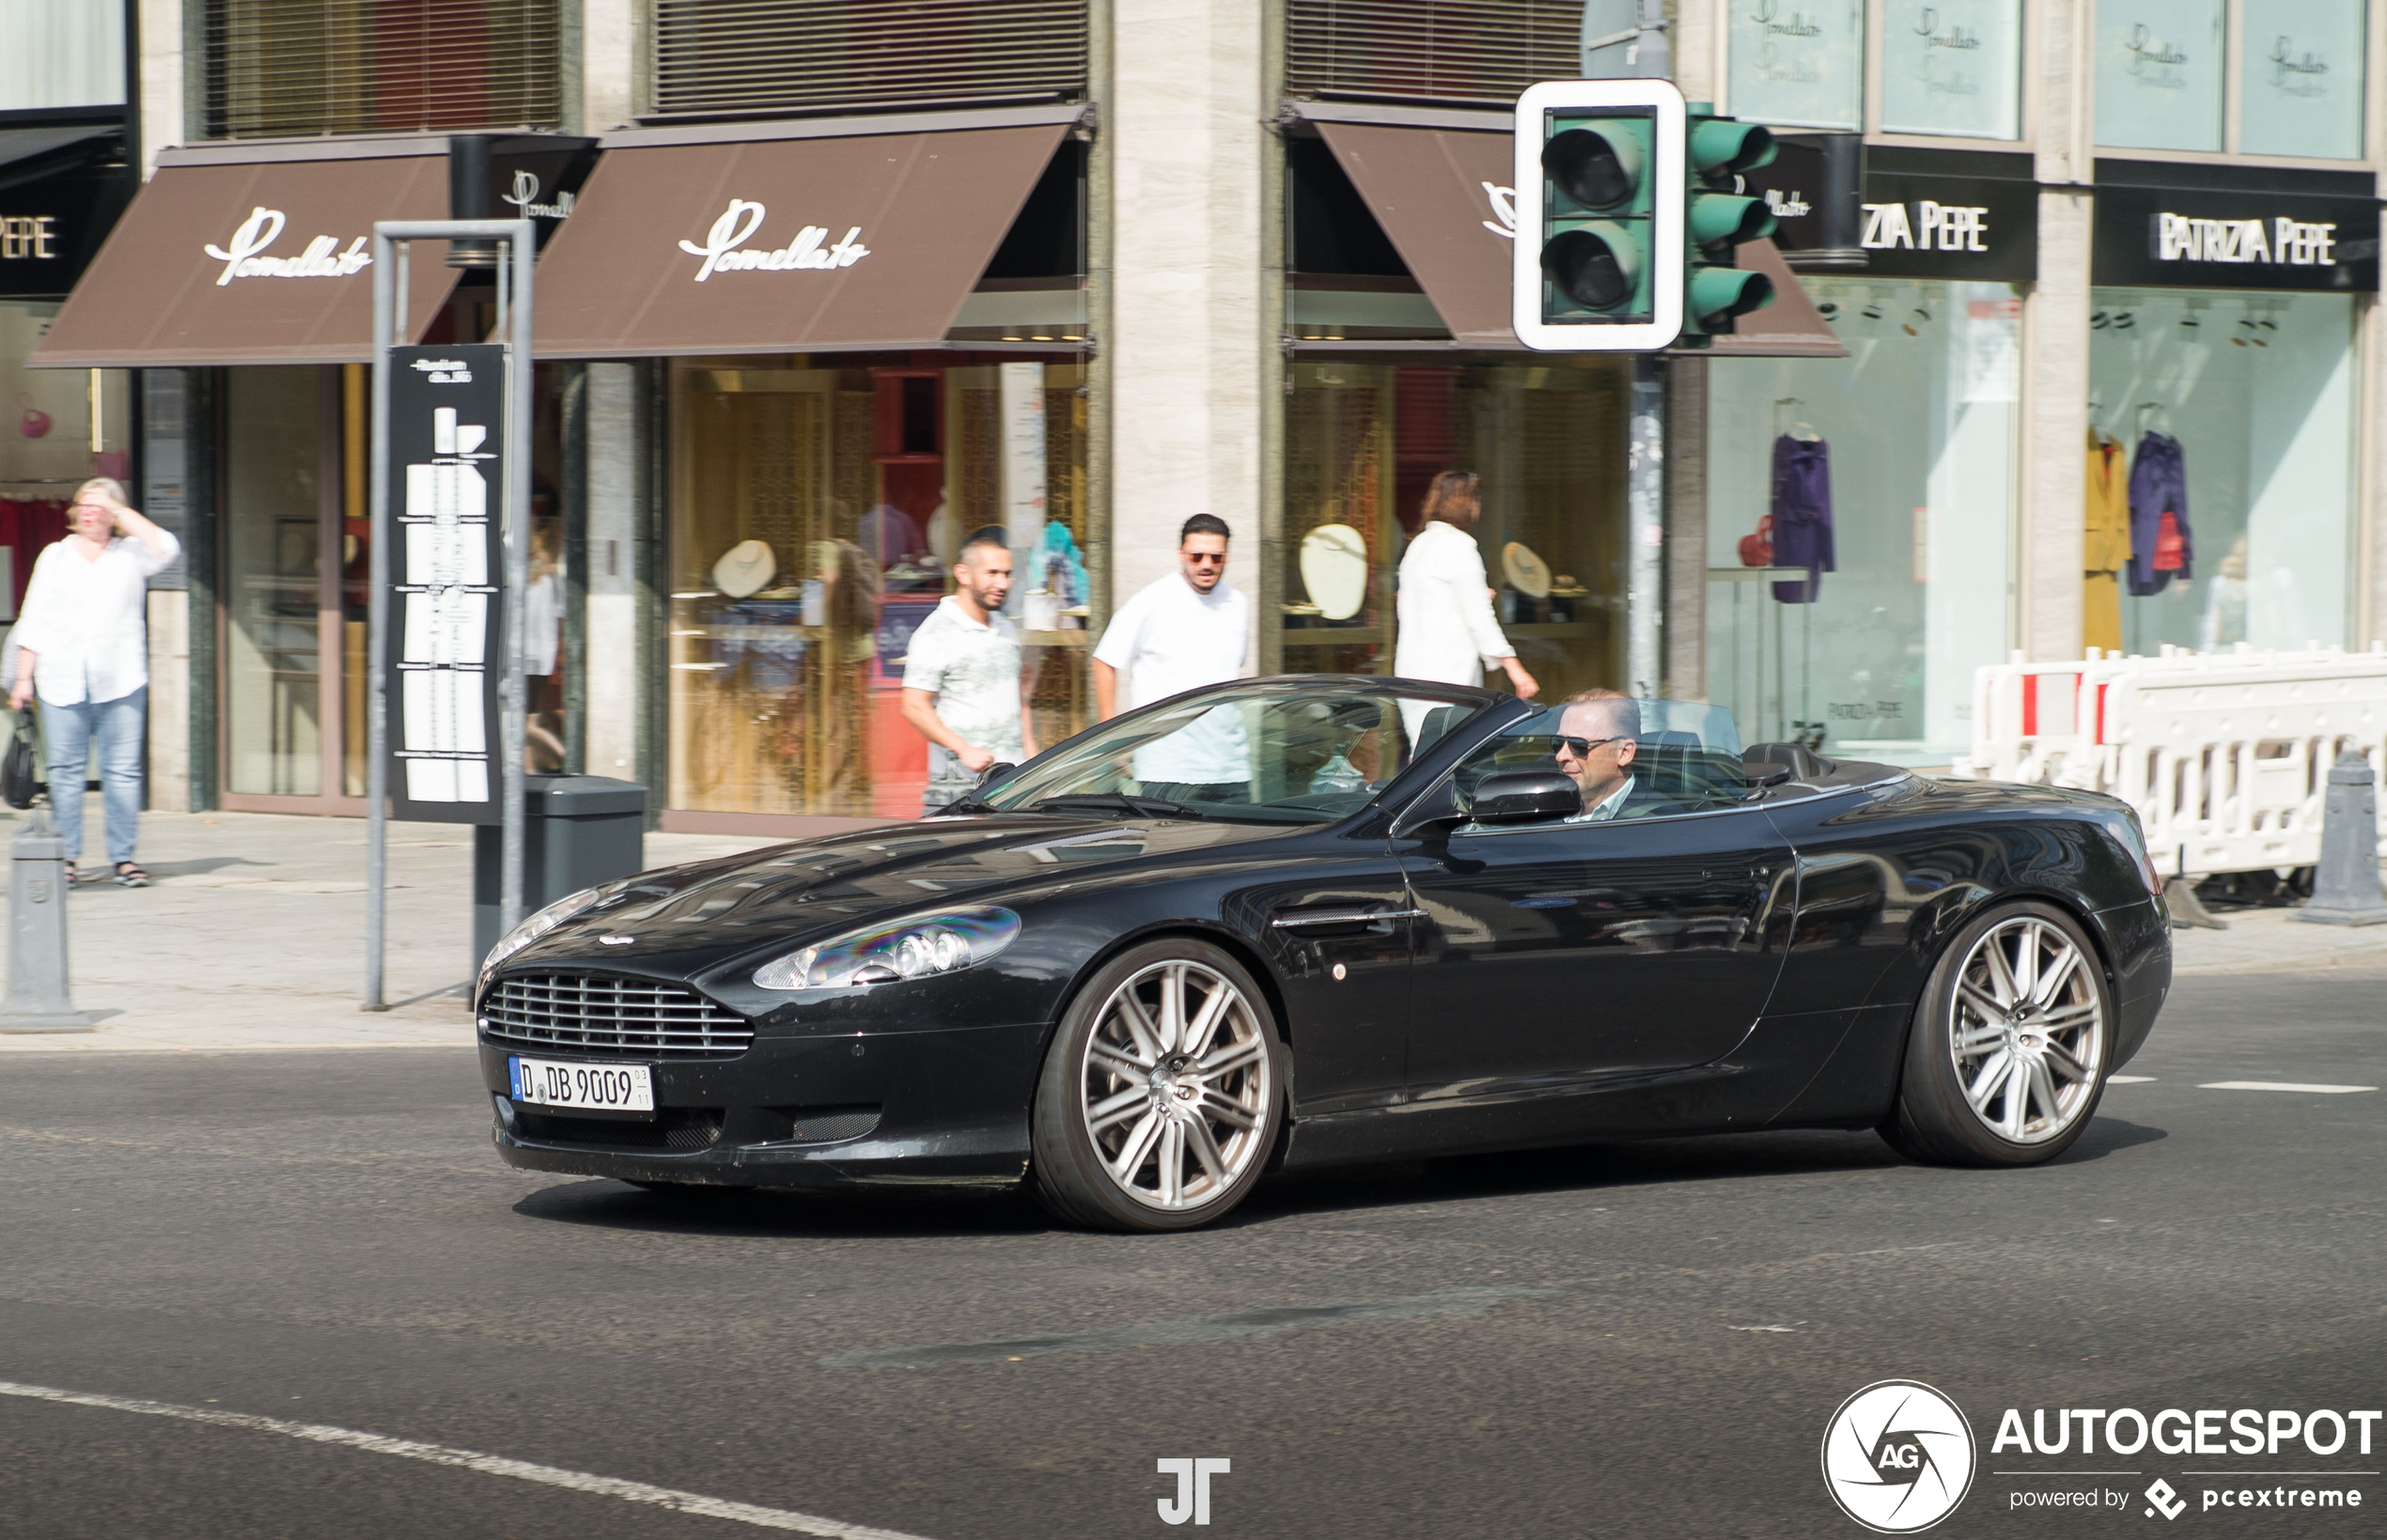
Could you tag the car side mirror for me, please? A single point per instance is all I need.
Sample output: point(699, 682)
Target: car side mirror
point(1526, 797)
point(994, 773)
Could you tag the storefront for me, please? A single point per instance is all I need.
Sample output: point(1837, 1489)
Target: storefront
point(870, 337)
point(1861, 512)
point(240, 282)
point(2224, 367)
point(61, 189)
point(1399, 235)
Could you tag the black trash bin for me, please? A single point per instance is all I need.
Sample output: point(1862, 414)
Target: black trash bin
point(578, 830)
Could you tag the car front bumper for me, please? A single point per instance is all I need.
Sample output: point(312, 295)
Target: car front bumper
point(946, 1107)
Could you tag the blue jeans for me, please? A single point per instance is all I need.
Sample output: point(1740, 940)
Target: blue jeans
point(67, 731)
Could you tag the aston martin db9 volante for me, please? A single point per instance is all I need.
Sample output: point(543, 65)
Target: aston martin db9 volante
point(1291, 922)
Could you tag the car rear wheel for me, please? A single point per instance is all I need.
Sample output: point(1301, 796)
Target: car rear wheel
point(2008, 1052)
point(1160, 1096)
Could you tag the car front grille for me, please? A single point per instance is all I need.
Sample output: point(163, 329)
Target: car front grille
point(597, 1013)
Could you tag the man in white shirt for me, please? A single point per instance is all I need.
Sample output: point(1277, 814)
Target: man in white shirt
point(82, 643)
point(1190, 629)
point(962, 677)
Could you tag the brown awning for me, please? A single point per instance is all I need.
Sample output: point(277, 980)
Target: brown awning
point(252, 262)
point(1443, 197)
point(783, 244)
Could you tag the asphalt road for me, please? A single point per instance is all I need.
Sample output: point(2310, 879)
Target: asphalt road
point(1642, 1340)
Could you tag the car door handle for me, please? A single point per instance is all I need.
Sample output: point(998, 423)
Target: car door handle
point(1342, 917)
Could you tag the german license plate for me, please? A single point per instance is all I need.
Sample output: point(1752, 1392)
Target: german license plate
point(604, 1088)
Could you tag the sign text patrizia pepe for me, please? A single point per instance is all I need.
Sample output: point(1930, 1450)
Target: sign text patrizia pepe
point(738, 224)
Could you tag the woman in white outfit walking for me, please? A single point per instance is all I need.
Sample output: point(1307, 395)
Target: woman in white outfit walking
point(1448, 630)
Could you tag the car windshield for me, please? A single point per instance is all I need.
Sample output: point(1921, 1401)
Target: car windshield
point(1632, 758)
point(1309, 751)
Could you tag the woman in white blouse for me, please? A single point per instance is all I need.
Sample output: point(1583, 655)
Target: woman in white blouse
point(1448, 630)
point(83, 646)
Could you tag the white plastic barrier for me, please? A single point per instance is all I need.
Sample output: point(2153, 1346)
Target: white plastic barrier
point(2226, 756)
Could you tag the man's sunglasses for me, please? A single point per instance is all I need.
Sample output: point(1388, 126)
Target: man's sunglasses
point(1580, 747)
point(1203, 558)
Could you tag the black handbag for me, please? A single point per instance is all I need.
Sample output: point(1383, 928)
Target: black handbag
point(22, 776)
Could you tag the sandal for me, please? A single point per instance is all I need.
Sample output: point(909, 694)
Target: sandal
point(130, 876)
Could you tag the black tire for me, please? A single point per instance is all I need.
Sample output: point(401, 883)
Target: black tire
point(1240, 1074)
point(1944, 1114)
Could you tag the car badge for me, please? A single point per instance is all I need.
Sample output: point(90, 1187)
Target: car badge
point(617, 941)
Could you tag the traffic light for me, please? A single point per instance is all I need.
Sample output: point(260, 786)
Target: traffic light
point(1717, 217)
point(1598, 265)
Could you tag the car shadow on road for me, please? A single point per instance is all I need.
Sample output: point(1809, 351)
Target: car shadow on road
point(904, 1215)
point(752, 1211)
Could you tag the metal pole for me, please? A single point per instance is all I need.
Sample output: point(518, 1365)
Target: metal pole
point(1645, 529)
point(520, 403)
point(377, 501)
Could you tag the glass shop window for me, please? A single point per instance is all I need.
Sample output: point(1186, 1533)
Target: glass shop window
point(1952, 67)
point(1800, 65)
point(1858, 521)
point(2230, 418)
point(816, 512)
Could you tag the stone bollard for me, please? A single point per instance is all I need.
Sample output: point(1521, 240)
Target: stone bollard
point(2346, 880)
point(37, 999)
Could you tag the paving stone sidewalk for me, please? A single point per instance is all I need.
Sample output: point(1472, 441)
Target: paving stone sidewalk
point(253, 937)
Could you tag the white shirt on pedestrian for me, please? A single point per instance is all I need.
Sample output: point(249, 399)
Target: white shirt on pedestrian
point(973, 668)
point(87, 622)
point(1447, 631)
point(1171, 638)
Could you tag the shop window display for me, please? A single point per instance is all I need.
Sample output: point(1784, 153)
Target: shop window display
point(2236, 411)
point(814, 515)
point(46, 446)
point(1364, 441)
point(1859, 517)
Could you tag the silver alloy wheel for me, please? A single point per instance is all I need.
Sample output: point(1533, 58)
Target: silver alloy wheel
point(2028, 1031)
point(1176, 1084)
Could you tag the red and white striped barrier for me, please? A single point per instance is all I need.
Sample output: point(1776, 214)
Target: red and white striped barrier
point(2226, 756)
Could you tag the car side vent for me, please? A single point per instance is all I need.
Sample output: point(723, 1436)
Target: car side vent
point(819, 1125)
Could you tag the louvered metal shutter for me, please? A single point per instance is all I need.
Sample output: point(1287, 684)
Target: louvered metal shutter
point(725, 57)
point(1461, 50)
point(285, 66)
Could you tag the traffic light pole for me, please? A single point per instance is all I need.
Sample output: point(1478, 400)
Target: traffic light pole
point(1646, 521)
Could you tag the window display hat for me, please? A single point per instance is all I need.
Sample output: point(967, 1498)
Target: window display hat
point(1526, 573)
point(745, 568)
point(1335, 570)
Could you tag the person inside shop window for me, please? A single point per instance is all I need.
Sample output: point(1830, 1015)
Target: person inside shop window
point(544, 647)
point(82, 644)
point(962, 677)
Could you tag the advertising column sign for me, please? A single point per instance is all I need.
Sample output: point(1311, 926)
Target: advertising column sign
point(448, 410)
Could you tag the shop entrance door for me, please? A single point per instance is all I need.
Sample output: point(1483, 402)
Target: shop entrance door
point(291, 593)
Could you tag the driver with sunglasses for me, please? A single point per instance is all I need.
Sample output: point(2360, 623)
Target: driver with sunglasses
point(1597, 738)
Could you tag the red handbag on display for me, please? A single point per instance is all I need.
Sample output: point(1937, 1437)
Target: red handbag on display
point(2170, 551)
point(1757, 549)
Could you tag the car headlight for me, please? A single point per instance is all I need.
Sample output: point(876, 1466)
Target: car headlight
point(914, 948)
point(544, 920)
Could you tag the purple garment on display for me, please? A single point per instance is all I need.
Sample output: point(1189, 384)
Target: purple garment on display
point(2159, 485)
point(1802, 512)
point(889, 534)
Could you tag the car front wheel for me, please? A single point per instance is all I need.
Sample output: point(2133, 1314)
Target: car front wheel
point(1162, 1093)
point(2008, 1052)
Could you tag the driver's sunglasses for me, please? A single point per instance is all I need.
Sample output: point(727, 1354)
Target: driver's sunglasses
point(1205, 558)
point(1579, 747)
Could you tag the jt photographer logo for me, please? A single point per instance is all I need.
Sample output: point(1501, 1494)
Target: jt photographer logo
point(1897, 1456)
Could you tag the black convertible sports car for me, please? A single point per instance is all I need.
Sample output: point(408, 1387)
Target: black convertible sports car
point(1295, 921)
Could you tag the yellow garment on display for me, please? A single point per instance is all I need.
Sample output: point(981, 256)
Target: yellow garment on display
point(2106, 543)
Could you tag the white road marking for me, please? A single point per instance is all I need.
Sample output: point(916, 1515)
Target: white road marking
point(488, 1465)
point(1761, 1328)
point(2129, 1079)
point(2284, 1085)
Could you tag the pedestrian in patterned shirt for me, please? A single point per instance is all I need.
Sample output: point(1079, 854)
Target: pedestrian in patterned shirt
point(962, 677)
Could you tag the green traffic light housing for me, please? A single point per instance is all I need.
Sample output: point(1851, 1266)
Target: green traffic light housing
point(1715, 295)
point(1722, 147)
point(1600, 172)
point(1720, 217)
point(1717, 217)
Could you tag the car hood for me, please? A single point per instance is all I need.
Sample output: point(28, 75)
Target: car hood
point(791, 895)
